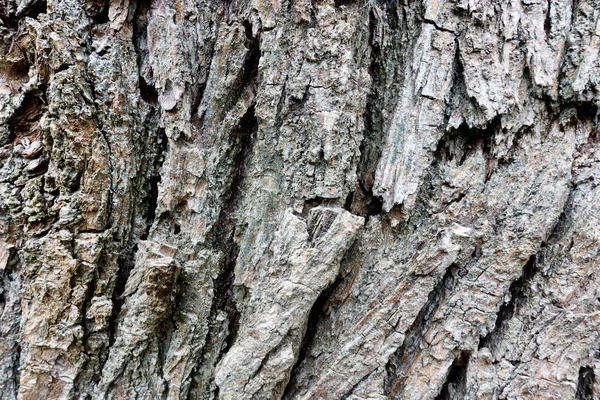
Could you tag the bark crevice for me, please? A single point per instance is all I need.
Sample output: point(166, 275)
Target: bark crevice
point(585, 384)
point(399, 363)
point(225, 232)
point(517, 291)
point(456, 382)
point(391, 228)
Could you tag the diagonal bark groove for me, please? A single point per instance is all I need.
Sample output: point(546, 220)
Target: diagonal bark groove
point(405, 355)
point(518, 290)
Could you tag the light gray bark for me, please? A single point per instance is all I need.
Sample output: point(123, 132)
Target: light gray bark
point(299, 199)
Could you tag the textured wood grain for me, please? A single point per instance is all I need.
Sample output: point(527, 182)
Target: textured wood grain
point(251, 199)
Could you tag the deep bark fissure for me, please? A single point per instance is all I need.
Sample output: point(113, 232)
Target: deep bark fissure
point(223, 237)
point(364, 203)
point(370, 147)
point(585, 384)
point(200, 84)
point(126, 259)
point(456, 381)
point(34, 9)
point(84, 309)
point(223, 234)
point(587, 111)
point(548, 20)
point(399, 363)
point(436, 26)
point(24, 121)
point(107, 141)
point(350, 392)
point(158, 148)
point(265, 360)
point(156, 167)
point(126, 262)
point(318, 308)
point(148, 91)
point(318, 311)
point(9, 276)
point(97, 10)
point(574, 10)
point(17, 369)
point(520, 288)
point(462, 141)
point(226, 226)
point(517, 291)
point(280, 104)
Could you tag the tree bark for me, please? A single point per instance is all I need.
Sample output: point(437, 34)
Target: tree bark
point(299, 199)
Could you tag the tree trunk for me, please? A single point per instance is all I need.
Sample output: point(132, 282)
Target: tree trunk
point(299, 199)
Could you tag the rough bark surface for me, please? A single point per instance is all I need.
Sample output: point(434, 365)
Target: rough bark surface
point(299, 199)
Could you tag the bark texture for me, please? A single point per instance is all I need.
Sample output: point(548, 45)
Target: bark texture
point(299, 199)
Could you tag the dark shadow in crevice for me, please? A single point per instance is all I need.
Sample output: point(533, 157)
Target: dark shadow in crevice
point(455, 386)
point(370, 147)
point(148, 92)
point(461, 143)
point(126, 262)
point(223, 236)
point(97, 10)
point(25, 119)
point(404, 357)
point(518, 291)
point(151, 200)
point(318, 312)
point(34, 9)
point(585, 384)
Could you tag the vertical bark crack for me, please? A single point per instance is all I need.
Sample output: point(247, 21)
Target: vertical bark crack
point(226, 225)
point(585, 384)
point(319, 308)
point(148, 92)
point(456, 382)
point(399, 363)
point(370, 148)
point(152, 198)
point(548, 21)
